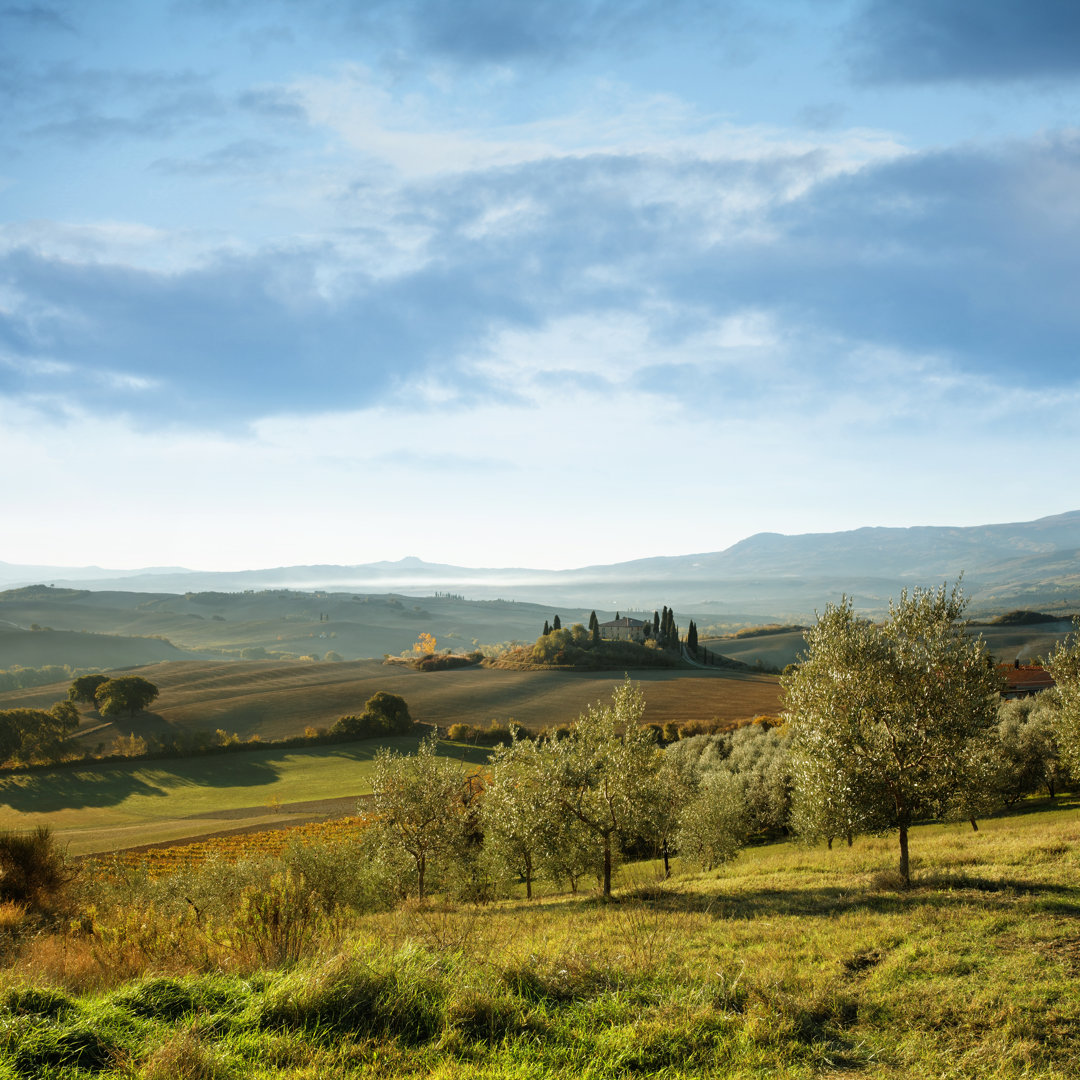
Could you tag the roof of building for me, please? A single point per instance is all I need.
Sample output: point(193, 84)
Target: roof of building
point(626, 621)
point(1031, 677)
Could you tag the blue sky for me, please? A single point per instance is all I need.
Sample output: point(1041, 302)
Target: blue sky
point(547, 284)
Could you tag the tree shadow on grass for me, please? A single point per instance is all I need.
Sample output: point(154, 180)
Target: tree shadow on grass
point(43, 793)
point(955, 890)
point(91, 785)
point(74, 789)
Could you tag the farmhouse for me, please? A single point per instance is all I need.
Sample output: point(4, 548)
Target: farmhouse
point(1026, 681)
point(624, 629)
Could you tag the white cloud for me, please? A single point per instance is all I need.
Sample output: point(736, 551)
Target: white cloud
point(407, 134)
point(113, 243)
point(537, 478)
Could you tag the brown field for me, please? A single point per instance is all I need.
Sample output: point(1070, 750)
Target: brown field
point(275, 699)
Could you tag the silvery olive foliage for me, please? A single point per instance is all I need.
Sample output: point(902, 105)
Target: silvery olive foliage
point(421, 801)
point(889, 720)
point(522, 831)
point(1064, 665)
point(604, 773)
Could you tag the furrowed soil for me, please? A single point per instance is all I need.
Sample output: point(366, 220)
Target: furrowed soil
point(276, 699)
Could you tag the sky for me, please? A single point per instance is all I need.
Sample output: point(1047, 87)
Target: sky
point(541, 284)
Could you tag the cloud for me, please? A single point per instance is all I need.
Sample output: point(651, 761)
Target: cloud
point(272, 102)
point(470, 32)
point(966, 40)
point(405, 132)
point(237, 158)
point(905, 430)
point(170, 113)
point(680, 278)
point(496, 32)
point(35, 17)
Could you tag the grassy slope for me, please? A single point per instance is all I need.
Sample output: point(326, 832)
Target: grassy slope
point(1005, 642)
point(791, 962)
point(275, 699)
point(39, 648)
point(116, 806)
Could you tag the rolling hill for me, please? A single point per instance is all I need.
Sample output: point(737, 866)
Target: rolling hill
point(277, 699)
point(1034, 564)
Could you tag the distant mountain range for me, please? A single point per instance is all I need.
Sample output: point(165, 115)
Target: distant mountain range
point(1033, 564)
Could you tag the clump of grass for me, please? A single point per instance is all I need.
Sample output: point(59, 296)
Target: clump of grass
point(402, 999)
point(35, 1001)
point(185, 1055)
point(169, 999)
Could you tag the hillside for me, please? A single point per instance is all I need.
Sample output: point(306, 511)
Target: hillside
point(1007, 642)
point(790, 962)
point(278, 621)
point(277, 699)
point(82, 649)
point(1031, 564)
point(108, 807)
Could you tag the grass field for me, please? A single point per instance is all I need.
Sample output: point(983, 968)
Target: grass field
point(95, 809)
point(790, 962)
point(275, 699)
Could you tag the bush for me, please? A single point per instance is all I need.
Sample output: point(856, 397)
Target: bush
point(384, 714)
point(278, 920)
point(33, 870)
point(495, 734)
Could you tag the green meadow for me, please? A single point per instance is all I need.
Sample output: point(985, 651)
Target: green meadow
point(790, 962)
point(96, 808)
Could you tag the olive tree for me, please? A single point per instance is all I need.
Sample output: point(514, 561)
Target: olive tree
point(712, 824)
point(1064, 665)
point(420, 803)
point(603, 773)
point(518, 809)
point(1029, 747)
point(889, 717)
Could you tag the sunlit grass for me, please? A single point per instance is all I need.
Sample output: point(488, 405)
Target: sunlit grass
point(793, 962)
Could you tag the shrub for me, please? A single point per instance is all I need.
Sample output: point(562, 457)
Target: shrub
point(384, 714)
point(280, 919)
point(33, 870)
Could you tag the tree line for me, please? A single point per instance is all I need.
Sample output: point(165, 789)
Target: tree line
point(885, 725)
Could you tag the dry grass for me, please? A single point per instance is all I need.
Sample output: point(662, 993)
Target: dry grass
point(792, 962)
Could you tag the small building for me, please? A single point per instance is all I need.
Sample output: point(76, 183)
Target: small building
point(625, 629)
point(1025, 681)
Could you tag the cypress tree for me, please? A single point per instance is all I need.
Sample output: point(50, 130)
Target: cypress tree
point(594, 627)
point(547, 629)
point(556, 623)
